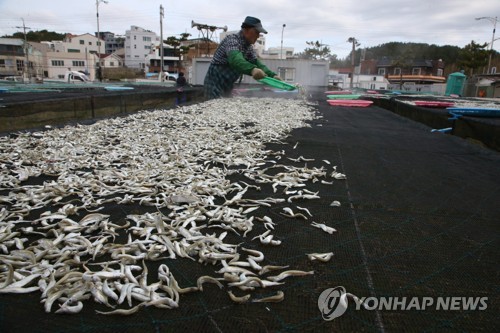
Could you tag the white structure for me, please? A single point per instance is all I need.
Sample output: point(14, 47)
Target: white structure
point(138, 43)
point(55, 46)
point(307, 73)
point(259, 46)
point(80, 44)
point(11, 56)
point(111, 61)
point(278, 53)
point(363, 81)
point(58, 63)
point(371, 82)
point(152, 62)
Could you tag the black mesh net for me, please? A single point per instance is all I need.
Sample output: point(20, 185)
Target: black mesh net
point(417, 218)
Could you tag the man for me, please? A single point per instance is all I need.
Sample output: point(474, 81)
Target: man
point(235, 56)
point(180, 83)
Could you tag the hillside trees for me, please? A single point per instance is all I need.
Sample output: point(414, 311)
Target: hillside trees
point(473, 56)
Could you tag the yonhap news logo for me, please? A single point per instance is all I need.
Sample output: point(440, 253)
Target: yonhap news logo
point(333, 303)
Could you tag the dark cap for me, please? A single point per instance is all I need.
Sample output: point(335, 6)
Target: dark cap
point(254, 23)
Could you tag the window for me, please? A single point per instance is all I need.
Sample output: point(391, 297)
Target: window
point(381, 71)
point(135, 37)
point(57, 63)
point(146, 39)
point(416, 71)
point(493, 70)
point(90, 43)
point(135, 46)
point(287, 73)
point(78, 63)
point(73, 51)
point(112, 63)
point(397, 70)
point(82, 42)
point(2, 63)
point(147, 47)
point(20, 64)
point(440, 72)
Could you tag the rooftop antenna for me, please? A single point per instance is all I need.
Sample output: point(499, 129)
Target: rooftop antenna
point(207, 32)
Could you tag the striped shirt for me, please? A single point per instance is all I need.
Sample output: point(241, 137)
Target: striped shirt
point(234, 42)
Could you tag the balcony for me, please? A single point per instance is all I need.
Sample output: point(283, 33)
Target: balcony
point(416, 78)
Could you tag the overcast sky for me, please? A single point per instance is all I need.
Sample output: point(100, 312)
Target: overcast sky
point(332, 22)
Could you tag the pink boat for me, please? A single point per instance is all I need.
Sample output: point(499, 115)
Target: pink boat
point(349, 102)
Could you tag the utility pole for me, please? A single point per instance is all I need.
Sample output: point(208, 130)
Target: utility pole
point(494, 21)
point(355, 43)
point(161, 43)
point(99, 38)
point(27, 60)
point(281, 52)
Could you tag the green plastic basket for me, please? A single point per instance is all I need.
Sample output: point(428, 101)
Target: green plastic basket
point(277, 84)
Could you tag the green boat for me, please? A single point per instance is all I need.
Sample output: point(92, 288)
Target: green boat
point(343, 96)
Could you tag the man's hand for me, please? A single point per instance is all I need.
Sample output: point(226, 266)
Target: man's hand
point(278, 78)
point(258, 74)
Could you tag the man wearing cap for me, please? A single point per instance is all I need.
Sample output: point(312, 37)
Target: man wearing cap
point(235, 56)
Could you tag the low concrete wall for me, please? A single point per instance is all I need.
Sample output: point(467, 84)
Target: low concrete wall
point(57, 111)
point(434, 118)
point(480, 130)
point(483, 130)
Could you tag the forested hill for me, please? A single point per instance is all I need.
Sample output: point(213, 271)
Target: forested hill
point(418, 51)
point(38, 36)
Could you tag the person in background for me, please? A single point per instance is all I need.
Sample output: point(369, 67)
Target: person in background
point(180, 83)
point(236, 56)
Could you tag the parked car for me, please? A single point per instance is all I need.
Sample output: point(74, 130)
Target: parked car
point(12, 79)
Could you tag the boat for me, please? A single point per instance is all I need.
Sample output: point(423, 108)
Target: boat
point(434, 104)
point(458, 112)
point(338, 92)
point(352, 96)
point(117, 88)
point(350, 102)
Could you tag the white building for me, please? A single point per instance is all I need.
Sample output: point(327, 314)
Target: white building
point(55, 46)
point(307, 73)
point(111, 60)
point(57, 63)
point(81, 44)
point(138, 43)
point(152, 63)
point(259, 46)
point(278, 53)
point(362, 81)
point(12, 57)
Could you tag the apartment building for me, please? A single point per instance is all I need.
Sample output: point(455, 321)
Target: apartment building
point(11, 57)
point(138, 45)
point(112, 42)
